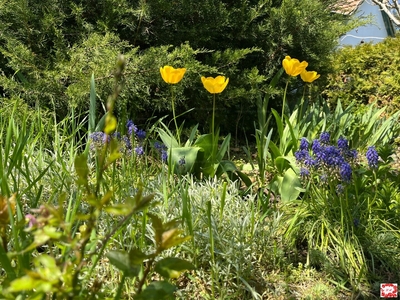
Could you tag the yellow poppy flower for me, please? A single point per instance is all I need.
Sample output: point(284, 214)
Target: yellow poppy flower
point(215, 85)
point(309, 76)
point(294, 67)
point(172, 75)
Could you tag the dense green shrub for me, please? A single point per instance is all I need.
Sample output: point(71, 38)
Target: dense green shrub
point(367, 73)
point(49, 50)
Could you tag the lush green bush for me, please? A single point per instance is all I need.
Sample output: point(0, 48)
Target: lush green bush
point(49, 50)
point(367, 73)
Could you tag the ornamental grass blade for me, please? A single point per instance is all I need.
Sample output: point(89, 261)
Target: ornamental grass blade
point(92, 107)
point(6, 264)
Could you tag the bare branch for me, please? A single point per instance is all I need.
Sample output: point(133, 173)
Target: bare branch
point(391, 8)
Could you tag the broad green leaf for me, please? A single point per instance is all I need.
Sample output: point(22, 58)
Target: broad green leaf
point(121, 260)
point(205, 142)
point(281, 164)
point(188, 154)
point(157, 290)
point(290, 186)
point(226, 166)
point(137, 257)
point(172, 267)
point(244, 178)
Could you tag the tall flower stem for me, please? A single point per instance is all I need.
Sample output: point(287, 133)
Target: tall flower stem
point(284, 100)
point(213, 117)
point(173, 112)
point(213, 129)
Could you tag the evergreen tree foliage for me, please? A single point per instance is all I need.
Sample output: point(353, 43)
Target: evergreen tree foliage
point(49, 49)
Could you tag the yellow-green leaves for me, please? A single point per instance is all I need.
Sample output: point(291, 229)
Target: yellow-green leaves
point(309, 76)
point(82, 169)
point(172, 75)
point(111, 124)
point(294, 67)
point(215, 85)
point(172, 267)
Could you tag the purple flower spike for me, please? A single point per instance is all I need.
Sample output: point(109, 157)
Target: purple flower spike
point(372, 157)
point(139, 150)
point(324, 138)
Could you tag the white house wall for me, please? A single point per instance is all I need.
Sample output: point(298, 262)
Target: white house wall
point(374, 32)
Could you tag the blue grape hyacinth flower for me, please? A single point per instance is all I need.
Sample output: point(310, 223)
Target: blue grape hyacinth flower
point(372, 157)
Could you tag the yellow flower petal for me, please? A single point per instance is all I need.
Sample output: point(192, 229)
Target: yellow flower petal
point(215, 85)
point(171, 75)
point(293, 67)
point(309, 76)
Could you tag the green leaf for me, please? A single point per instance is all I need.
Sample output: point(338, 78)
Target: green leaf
point(172, 267)
point(6, 264)
point(190, 156)
point(167, 137)
point(25, 283)
point(144, 202)
point(81, 167)
point(279, 123)
point(92, 108)
point(246, 179)
point(158, 227)
point(224, 148)
point(205, 142)
point(291, 186)
point(113, 157)
point(274, 149)
point(192, 135)
point(121, 260)
point(172, 238)
point(106, 198)
point(121, 209)
point(111, 124)
point(157, 290)
point(137, 257)
point(100, 125)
